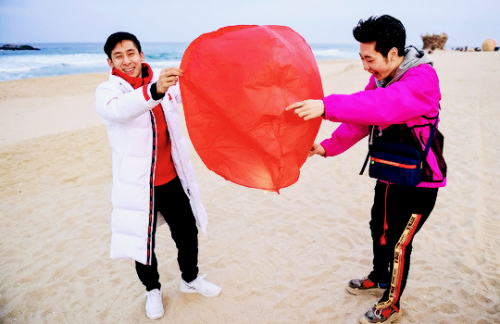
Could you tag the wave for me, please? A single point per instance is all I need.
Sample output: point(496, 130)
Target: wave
point(27, 62)
point(334, 53)
point(76, 58)
point(29, 66)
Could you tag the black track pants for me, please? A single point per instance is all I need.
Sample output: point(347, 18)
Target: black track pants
point(173, 204)
point(398, 213)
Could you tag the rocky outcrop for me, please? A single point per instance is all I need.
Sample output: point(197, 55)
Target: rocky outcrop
point(488, 45)
point(10, 47)
point(433, 42)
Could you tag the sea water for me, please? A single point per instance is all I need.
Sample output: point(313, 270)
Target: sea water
point(76, 58)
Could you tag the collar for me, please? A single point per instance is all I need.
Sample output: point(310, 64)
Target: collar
point(136, 82)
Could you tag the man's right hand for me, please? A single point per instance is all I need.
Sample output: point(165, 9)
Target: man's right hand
point(168, 78)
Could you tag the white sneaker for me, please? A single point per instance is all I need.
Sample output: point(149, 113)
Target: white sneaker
point(154, 304)
point(200, 285)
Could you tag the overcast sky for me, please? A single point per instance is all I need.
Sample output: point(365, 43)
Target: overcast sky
point(467, 22)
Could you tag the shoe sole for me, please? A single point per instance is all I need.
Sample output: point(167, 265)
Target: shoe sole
point(377, 292)
point(393, 319)
point(189, 291)
point(153, 317)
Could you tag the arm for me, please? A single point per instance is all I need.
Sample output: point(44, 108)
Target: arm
point(416, 94)
point(313, 108)
point(113, 105)
point(116, 106)
point(343, 138)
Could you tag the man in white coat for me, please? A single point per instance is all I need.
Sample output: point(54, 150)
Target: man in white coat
point(151, 169)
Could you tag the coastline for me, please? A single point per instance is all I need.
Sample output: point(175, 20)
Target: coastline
point(279, 258)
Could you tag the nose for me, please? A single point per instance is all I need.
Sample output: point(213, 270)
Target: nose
point(126, 60)
point(365, 66)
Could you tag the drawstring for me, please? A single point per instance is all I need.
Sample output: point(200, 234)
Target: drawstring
point(370, 142)
point(383, 239)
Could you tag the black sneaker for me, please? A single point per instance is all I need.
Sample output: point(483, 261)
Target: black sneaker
point(383, 315)
point(365, 286)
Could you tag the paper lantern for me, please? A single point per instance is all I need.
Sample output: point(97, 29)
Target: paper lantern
point(236, 85)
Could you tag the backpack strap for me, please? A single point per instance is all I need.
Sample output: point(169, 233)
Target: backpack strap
point(370, 138)
point(431, 137)
point(364, 164)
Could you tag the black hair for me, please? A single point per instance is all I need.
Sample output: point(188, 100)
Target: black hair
point(386, 31)
point(118, 37)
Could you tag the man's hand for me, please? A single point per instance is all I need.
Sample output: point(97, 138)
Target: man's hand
point(317, 149)
point(308, 109)
point(168, 78)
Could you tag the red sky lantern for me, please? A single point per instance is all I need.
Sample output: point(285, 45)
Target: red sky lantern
point(237, 83)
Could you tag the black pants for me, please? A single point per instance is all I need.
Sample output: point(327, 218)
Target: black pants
point(404, 210)
point(173, 204)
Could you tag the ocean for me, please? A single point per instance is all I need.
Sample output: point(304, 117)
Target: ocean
point(77, 58)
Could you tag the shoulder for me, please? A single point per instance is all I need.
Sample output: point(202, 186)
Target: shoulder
point(422, 69)
point(105, 85)
point(422, 73)
point(111, 84)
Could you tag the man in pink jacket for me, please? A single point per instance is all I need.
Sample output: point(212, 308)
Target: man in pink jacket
point(399, 104)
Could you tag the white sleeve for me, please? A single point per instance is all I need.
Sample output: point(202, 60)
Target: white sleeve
point(113, 105)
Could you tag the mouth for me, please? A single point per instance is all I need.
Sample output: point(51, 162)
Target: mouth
point(129, 70)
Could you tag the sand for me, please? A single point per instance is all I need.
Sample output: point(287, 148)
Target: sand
point(279, 258)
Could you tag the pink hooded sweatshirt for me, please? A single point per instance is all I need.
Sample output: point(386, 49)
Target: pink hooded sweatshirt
point(411, 99)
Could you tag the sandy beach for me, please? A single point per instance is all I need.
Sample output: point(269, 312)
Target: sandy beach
point(279, 258)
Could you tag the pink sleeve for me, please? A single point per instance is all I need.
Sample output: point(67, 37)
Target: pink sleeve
point(416, 94)
point(345, 136)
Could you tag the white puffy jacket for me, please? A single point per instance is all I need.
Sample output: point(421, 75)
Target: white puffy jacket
point(130, 125)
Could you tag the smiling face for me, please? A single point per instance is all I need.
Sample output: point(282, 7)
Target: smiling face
point(126, 58)
point(375, 63)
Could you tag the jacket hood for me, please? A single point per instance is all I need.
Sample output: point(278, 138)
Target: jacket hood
point(413, 57)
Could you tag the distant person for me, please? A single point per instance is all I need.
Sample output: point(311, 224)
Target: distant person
point(151, 169)
point(399, 104)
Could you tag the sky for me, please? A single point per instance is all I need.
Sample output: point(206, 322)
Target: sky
point(466, 22)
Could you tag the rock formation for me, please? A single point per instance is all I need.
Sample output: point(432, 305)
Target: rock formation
point(488, 45)
point(10, 47)
point(433, 42)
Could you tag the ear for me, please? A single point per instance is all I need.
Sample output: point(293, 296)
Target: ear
point(110, 63)
point(393, 53)
point(142, 57)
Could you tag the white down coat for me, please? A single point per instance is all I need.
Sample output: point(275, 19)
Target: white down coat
point(130, 125)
